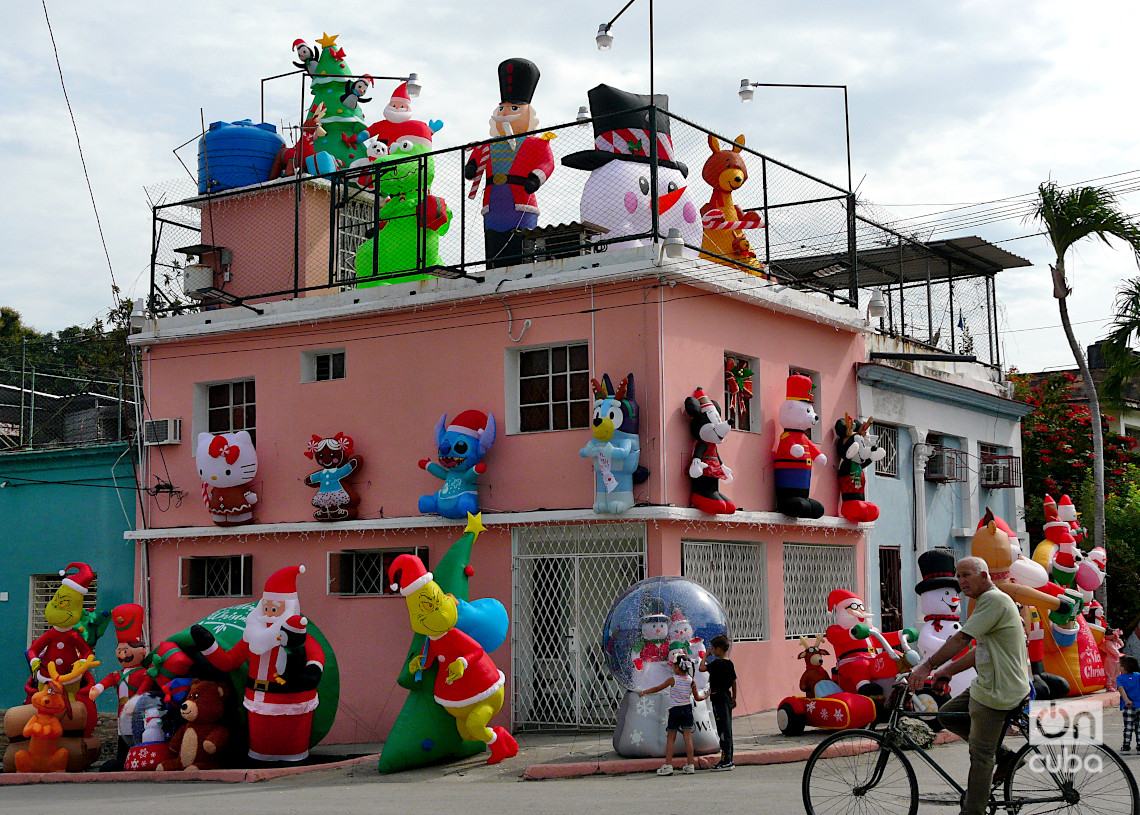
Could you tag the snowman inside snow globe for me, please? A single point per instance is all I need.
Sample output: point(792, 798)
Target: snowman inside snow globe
point(651, 621)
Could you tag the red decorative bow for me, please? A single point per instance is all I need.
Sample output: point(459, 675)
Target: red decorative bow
point(738, 385)
point(219, 448)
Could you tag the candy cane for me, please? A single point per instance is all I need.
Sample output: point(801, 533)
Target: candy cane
point(482, 161)
point(714, 219)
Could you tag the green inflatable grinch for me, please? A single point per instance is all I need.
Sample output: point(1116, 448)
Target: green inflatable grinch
point(426, 731)
point(411, 219)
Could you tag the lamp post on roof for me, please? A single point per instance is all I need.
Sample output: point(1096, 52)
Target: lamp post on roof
point(746, 93)
point(605, 39)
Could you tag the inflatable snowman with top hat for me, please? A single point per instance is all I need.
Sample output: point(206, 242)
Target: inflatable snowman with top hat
point(940, 604)
point(618, 194)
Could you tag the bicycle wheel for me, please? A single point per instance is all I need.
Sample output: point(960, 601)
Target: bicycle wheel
point(853, 772)
point(1071, 778)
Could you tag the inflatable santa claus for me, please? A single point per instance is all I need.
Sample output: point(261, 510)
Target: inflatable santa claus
point(285, 666)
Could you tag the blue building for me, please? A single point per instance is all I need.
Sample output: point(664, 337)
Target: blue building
point(61, 505)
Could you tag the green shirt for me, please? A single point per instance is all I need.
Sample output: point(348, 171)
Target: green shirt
point(1002, 660)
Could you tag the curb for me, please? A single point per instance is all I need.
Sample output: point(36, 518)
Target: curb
point(220, 776)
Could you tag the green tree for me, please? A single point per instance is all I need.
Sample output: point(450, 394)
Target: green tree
point(340, 120)
point(1123, 364)
point(1122, 536)
point(1056, 442)
point(1069, 216)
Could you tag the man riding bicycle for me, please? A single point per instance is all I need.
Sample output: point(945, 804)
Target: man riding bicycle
point(1002, 684)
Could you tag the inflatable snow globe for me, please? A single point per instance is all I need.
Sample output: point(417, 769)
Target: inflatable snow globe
point(647, 626)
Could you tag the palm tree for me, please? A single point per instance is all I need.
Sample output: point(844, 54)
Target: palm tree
point(1069, 216)
point(1121, 362)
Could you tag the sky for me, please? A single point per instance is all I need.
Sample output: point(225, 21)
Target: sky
point(958, 110)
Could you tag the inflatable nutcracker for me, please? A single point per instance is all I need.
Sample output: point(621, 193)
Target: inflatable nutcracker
point(285, 666)
point(512, 169)
point(796, 452)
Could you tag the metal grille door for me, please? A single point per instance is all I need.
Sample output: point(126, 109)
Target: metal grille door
point(565, 580)
point(890, 588)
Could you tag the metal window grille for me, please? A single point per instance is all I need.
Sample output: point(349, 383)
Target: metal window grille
point(44, 587)
point(329, 366)
point(353, 222)
point(364, 572)
point(946, 464)
point(815, 432)
point(210, 576)
point(811, 572)
point(751, 416)
point(565, 580)
point(232, 406)
point(999, 469)
point(890, 588)
point(889, 441)
point(735, 573)
point(554, 388)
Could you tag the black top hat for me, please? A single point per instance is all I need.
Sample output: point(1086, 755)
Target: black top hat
point(518, 78)
point(653, 606)
point(937, 568)
point(621, 131)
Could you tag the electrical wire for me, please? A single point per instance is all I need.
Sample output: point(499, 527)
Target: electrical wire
point(82, 160)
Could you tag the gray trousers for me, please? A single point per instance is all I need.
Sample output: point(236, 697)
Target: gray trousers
point(983, 731)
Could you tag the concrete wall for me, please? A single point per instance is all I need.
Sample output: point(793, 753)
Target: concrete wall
point(47, 526)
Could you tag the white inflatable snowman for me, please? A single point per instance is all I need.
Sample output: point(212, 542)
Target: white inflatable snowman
point(618, 194)
point(940, 604)
point(681, 638)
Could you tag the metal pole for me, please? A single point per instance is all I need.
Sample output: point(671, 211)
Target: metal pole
point(655, 225)
point(23, 380)
point(652, 101)
point(32, 410)
point(847, 128)
point(852, 253)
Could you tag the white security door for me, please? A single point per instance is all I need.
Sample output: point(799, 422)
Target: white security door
point(565, 580)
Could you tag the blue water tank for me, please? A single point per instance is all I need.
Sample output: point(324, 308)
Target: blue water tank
point(237, 153)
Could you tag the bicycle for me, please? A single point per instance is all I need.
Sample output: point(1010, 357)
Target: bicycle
point(867, 771)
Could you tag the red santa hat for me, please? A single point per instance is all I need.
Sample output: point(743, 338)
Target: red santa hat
point(418, 132)
point(297, 624)
point(678, 616)
point(128, 622)
point(800, 388)
point(407, 574)
point(282, 584)
point(401, 94)
point(81, 580)
point(837, 596)
point(1050, 508)
point(297, 42)
point(470, 422)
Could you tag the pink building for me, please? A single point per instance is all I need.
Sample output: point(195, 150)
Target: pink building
point(521, 342)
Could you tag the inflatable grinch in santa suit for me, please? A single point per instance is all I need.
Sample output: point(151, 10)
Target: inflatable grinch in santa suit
point(468, 684)
point(62, 643)
point(285, 666)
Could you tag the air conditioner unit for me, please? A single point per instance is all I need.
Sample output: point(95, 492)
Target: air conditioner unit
point(195, 278)
point(945, 464)
point(995, 474)
point(162, 431)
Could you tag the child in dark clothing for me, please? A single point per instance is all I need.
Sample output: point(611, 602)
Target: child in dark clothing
point(1128, 684)
point(722, 693)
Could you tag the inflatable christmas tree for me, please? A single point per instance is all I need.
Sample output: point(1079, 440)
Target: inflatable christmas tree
point(330, 83)
point(424, 732)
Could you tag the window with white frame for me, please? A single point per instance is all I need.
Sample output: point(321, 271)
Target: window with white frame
point(741, 381)
point(322, 366)
point(230, 406)
point(216, 576)
point(548, 388)
point(889, 441)
point(364, 572)
point(816, 431)
point(43, 588)
point(811, 572)
point(735, 574)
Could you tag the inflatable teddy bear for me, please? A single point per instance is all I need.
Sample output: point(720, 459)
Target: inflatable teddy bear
point(197, 743)
point(796, 452)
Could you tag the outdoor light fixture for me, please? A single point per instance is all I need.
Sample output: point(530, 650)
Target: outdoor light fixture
point(674, 244)
point(138, 314)
point(583, 114)
point(876, 306)
point(414, 85)
point(746, 93)
point(605, 39)
point(230, 299)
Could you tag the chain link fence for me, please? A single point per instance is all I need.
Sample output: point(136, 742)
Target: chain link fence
point(40, 410)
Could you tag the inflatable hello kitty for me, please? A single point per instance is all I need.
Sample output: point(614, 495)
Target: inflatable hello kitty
point(226, 464)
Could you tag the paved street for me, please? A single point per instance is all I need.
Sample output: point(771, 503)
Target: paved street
point(468, 787)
